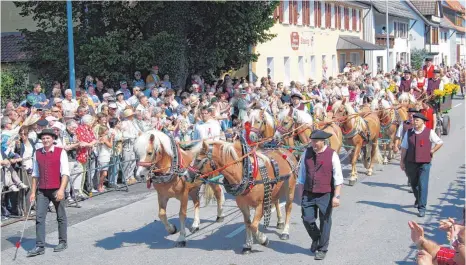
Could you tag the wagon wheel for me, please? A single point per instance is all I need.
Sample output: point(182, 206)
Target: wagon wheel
point(446, 125)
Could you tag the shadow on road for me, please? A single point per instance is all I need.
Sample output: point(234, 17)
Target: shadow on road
point(386, 185)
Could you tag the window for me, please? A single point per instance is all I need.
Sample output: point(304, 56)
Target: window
point(445, 36)
point(286, 12)
point(301, 68)
point(342, 17)
point(300, 12)
point(286, 64)
point(350, 19)
point(311, 14)
point(313, 66)
point(401, 30)
point(334, 65)
point(355, 58)
point(379, 63)
point(325, 69)
point(434, 36)
point(270, 67)
point(342, 61)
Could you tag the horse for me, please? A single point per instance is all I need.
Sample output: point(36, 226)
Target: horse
point(407, 99)
point(290, 119)
point(302, 122)
point(262, 125)
point(358, 132)
point(234, 161)
point(158, 152)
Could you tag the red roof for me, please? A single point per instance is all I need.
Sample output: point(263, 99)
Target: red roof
point(455, 5)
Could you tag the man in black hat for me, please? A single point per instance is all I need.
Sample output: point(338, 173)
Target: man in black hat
point(320, 172)
point(296, 102)
point(416, 157)
point(49, 179)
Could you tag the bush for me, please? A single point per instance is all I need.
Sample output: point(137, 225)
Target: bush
point(417, 58)
point(14, 84)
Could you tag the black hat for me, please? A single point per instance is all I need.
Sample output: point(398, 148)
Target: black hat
point(407, 72)
point(413, 110)
point(436, 71)
point(420, 116)
point(43, 123)
point(47, 132)
point(296, 95)
point(320, 135)
point(428, 59)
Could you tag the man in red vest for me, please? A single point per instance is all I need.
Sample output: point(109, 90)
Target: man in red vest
point(320, 172)
point(49, 179)
point(416, 157)
point(428, 69)
point(296, 102)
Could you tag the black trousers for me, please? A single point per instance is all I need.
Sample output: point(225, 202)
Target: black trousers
point(321, 204)
point(44, 197)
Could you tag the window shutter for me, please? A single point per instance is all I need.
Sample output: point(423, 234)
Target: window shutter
point(281, 9)
point(311, 13)
point(306, 13)
point(290, 12)
point(295, 12)
point(360, 20)
point(346, 19)
point(332, 15)
point(350, 18)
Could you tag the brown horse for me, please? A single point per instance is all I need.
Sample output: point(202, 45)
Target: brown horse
point(301, 122)
point(262, 125)
point(234, 161)
point(158, 152)
point(359, 130)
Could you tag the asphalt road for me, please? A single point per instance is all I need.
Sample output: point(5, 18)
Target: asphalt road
point(370, 227)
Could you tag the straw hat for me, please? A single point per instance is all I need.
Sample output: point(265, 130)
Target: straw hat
point(127, 113)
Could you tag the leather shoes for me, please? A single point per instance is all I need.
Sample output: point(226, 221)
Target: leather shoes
point(314, 246)
point(60, 247)
point(36, 252)
point(320, 255)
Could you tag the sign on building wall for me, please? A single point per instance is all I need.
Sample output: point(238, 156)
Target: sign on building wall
point(294, 41)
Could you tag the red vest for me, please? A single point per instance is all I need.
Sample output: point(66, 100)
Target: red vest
point(319, 171)
point(405, 85)
point(49, 168)
point(429, 113)
point(419, 146)
point(428, 73)
point(300, 107)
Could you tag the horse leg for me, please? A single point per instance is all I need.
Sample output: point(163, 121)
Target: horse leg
point(354, 159)
point(260, 237)
point(194, 194)
point(280, 223)
point(247, 247)
point(220, 200)
point(385, 153)
point(171, 229)
point(181, 241)
point(289, 204)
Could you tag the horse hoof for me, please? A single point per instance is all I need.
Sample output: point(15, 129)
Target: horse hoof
point(352, 182)
point(180, 244)
point(385, 163)
point(175, 230)
point(220, 219)
point(246, 251)
point(284, 237)
point(194, 229)
point(266, 242)
point(369, 173)
point(280, 225)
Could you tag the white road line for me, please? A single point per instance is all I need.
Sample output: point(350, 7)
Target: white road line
point(241, 228)
point(457, 105)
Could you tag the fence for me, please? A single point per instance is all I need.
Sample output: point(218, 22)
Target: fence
point(90, 173)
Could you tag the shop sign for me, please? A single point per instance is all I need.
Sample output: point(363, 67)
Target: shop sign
point(294, 41)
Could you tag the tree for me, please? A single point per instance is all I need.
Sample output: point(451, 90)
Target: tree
point(14, 83)
point(418, 57)
point(114, 39)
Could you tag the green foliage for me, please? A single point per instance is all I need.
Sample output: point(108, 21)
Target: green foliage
point(114, 39)
point(418, 57)
point(14, 83)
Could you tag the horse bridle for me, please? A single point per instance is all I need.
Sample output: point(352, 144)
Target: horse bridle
point(198, 164)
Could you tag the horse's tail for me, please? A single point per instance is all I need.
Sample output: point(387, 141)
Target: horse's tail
point(208, 194)
point(378, 155)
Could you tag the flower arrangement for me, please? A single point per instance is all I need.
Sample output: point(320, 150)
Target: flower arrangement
point(451, 88)
point(439, 93)
point(392, 87)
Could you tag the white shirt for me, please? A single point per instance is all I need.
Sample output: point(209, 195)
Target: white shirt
point(336, 165)
point(433, 137)
point(64, 168)
point(130, 129)
point(69, 106)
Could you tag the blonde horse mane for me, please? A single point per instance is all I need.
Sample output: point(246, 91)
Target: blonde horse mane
point(302, 117)
point(255, 116)
point(407, 98)
point(357, 122)
point(161, 140)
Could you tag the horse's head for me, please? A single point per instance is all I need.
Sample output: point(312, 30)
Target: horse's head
point(262, 125)
point(153, 149)
point(286, 120)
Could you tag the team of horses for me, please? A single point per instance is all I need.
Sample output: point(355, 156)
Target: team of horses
point(256, 173)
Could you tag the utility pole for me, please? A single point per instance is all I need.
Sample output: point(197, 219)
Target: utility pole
point(388, 38)
point(69, 16)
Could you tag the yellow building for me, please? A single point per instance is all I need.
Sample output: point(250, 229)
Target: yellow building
point(314, 40)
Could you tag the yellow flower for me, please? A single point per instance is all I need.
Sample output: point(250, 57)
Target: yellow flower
point(439, 93)
point(392, 87)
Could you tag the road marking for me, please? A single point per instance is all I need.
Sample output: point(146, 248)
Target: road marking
point(241, 228)
point(457, 105)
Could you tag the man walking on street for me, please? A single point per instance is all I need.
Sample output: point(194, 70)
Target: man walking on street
point(49, 179)
point(320, 172)
point(416, 157)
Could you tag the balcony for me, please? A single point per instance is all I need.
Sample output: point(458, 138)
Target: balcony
point(432, 48)
point(381, 40)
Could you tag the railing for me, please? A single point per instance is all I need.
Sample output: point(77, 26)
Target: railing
point(90, 172)
point(381, 40)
